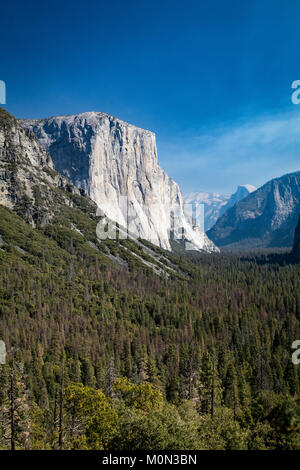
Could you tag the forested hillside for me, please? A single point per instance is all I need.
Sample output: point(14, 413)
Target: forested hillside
point(117, 344)
point(109, 355)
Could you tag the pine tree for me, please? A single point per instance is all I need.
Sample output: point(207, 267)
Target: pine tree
point(210, 389)
point(15, 407)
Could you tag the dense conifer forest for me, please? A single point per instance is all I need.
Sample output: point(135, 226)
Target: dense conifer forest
point(103, 356)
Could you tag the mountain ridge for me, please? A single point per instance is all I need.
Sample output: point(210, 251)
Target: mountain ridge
point(72, 115)
point(265, 218)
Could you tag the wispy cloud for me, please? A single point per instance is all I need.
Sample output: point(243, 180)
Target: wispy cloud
point(252, 152)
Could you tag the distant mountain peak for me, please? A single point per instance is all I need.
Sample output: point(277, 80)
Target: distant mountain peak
point(216, 204)
point(250, 188)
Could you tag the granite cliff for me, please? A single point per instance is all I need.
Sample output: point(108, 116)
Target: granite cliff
point(116, 164)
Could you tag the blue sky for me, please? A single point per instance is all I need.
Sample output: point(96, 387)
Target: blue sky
point(211, 79)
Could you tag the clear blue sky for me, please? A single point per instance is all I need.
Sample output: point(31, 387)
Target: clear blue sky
point(212, 79)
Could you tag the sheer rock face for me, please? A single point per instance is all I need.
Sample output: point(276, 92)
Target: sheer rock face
point(116, 164)
point(265, 218)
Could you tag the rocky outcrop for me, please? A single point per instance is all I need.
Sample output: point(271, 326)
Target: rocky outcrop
point(28, 182)
point(215, 204)
point(116, 164)
point(265, 218)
